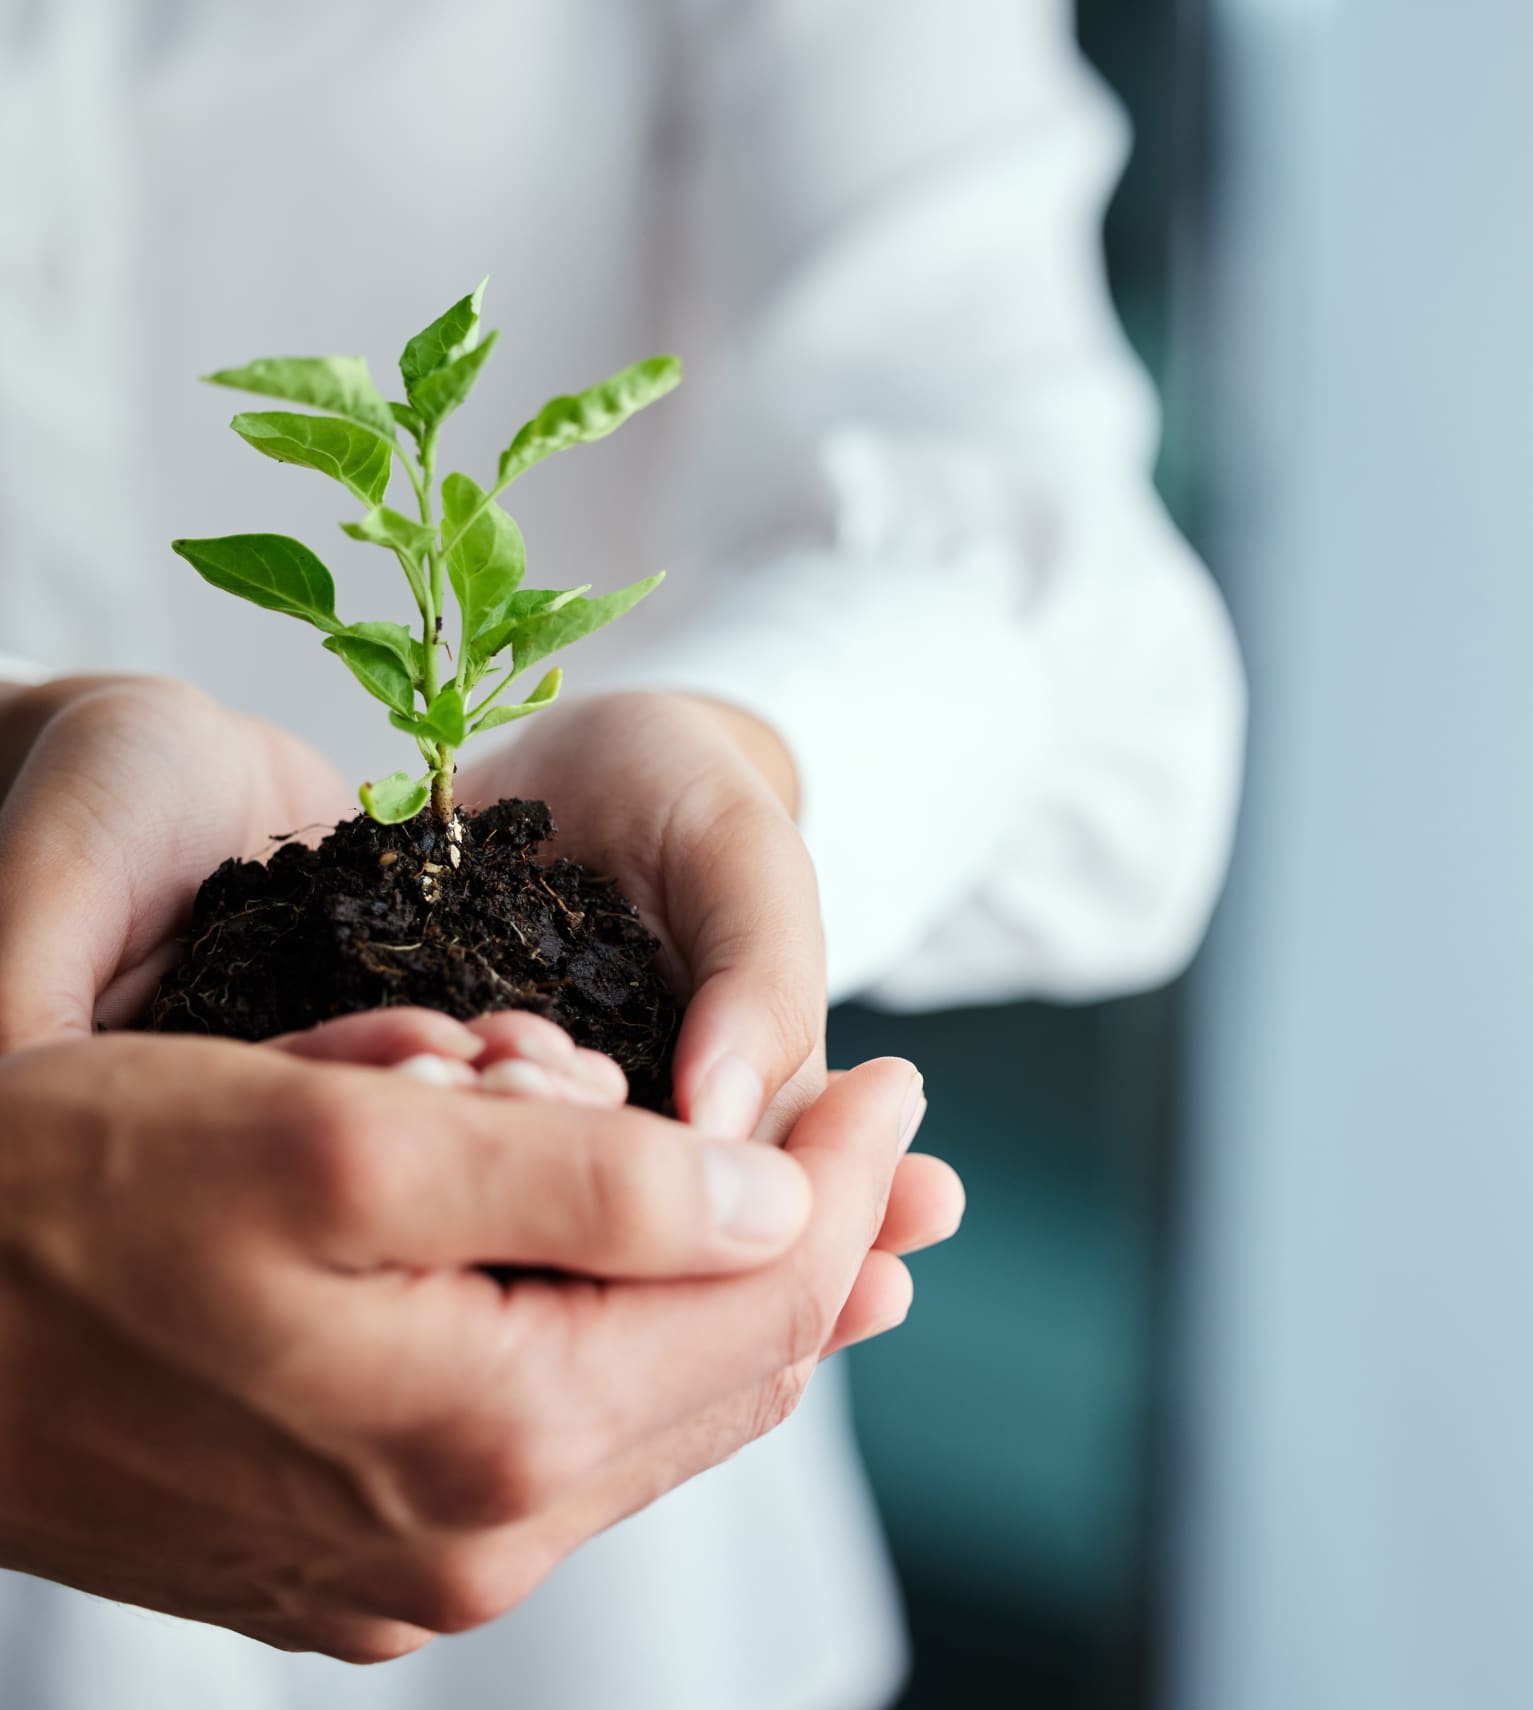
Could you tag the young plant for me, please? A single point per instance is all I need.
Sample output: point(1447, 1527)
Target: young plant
point(461, 538)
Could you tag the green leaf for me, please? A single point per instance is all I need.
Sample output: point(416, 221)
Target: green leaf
point(445, 340)
point(411, 540)
point(377, 668)
point(340, 385)
point(436, 395)
point(268, 569)
point(588, 415)
point(544, 695)
point(443, 721)
point(550, 630)
point(528, 602)
point(488, 559)
point(383, 527)
point(405, 647)
point(395, 798)
point(359, 460)
point(408, 420)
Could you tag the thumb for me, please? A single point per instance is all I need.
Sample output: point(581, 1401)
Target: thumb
point(66, 896)
point(749, 930)
point(105, 833)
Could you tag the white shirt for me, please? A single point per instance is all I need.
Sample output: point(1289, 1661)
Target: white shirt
point(905, 499)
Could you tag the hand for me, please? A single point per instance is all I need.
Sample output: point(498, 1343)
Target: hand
point(123, 794)
point(494, 1053)
point(118, 796)
point(689, 805)
point(326, 1428)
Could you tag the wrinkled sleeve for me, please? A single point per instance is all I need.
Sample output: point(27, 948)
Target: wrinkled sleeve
point(918, 467)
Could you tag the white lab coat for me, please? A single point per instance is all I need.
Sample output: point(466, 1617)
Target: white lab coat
point(905, 498)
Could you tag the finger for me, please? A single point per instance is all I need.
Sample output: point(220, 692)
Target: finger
point(520, 1035)
point(131, 990)
point(926, 1205)
point(384, 1037)
point(434, 1071)
point(702, 1342)
point(879, 1302)
point(745, 912)
point(452, 1580)
point(433, 1178)
point(91, 885)
point(67, 891)
point(514, 1078)
point(782, 1113)
point(358, 1639)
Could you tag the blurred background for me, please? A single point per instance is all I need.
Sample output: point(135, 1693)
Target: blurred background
point(1234, 1327)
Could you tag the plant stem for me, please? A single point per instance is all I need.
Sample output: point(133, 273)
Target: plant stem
point(431, 624)
point(441, 788)
point(495, 693)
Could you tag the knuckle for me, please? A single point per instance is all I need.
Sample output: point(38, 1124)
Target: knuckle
point(461, 1594)
point(470, 1588)
point(548, 1466)
point(384, 1643)
point(484, 1480)
point(622, 1186)
point(501, 1484)
point(343, 1171)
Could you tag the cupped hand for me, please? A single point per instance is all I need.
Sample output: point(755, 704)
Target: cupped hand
point(689, 805)
point(513, 1054)
point(329, 1428)
point(118, 796)
point(124, 793)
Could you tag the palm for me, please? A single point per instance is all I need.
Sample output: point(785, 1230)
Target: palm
point(132, 794)
point(653, 790)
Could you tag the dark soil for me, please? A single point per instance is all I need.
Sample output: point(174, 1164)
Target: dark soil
point(383, 914)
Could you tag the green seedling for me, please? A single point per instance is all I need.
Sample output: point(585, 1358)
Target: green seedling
point(461, 539)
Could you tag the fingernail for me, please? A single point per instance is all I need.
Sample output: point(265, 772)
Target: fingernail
point(912, 1113)
point(730, 1099)
point(437, 1071)
point(514, 1077)
point(519, 1078)
point(754, 1192)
